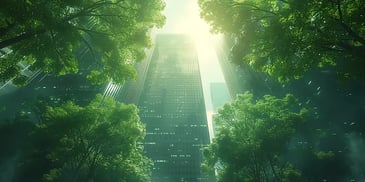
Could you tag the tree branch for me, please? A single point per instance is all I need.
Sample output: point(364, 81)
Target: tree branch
point(4, 30)
point(92, 166)
point(273, 169)
point(28, 35)
point(102, 15)
point(261, 18)
point(89, 47)
point(90, 9)
point(346, 27)
point(21, 37)
point(90, 32)
point(254, 8)
point(56, 48)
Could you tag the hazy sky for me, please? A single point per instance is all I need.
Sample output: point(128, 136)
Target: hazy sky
point(182, 16)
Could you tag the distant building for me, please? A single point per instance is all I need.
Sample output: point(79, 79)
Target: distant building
point(54, 90)
point(172, 107)
point(219, 95)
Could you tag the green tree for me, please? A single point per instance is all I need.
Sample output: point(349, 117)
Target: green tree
point(13, 136)
point(287, 38)
point(98, 142)
point(46, 34)
point(250, 138)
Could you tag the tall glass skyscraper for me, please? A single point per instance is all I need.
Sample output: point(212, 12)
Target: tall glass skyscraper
point(172, 107)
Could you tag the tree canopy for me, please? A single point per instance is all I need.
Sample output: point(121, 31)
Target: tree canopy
point(47, 35)
point(287, 38)
point(251, 136)
point(98, 142)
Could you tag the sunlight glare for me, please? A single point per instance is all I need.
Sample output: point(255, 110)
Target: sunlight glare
point(183, 18)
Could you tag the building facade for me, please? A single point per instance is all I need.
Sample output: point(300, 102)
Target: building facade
point(172, 107)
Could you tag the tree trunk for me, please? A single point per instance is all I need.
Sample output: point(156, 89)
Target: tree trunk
point(274, 171)
point(6, 29)
point(19, 38)
point(347, 28)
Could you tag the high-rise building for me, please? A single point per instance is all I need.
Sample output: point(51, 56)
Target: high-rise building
point(172, 107)
point(219, 95)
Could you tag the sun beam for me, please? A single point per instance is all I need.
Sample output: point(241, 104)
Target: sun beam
point(183, 18)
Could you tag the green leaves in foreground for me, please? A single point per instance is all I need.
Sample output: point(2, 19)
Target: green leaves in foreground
point(287, 38)
point(61, 37)
point(98, 142)
point(250, 138)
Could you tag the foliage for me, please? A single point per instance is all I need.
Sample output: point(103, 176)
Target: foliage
point(287, 38)
point(47, 35)
point(251, 137)
point(98, 142)
point(12, 136)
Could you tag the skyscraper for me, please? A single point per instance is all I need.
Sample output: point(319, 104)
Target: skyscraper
point(172, 107)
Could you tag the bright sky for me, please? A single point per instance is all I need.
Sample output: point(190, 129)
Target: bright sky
point(183, 17)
